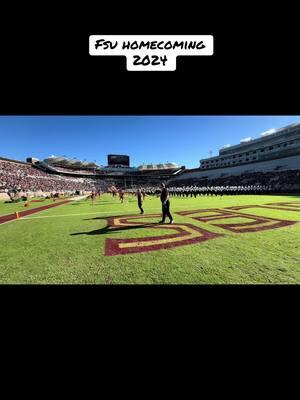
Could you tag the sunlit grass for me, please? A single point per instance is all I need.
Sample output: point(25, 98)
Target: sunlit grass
point(66, 245)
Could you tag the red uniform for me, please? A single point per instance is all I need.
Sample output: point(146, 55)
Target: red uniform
point(121, 195)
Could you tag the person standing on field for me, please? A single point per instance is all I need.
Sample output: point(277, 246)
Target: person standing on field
point(140, 200)
point(121, 195)
point(164, 198)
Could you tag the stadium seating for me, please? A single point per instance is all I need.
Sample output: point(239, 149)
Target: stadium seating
point(26, 178)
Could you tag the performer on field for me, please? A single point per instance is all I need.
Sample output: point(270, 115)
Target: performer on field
point(114, 191)
point(121, 195)
point(93, 195)
point(140, 200)
point(164, 198)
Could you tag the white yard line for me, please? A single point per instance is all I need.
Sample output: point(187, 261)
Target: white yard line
point(78, 198)
point(102, 212)
point(7, 222)
point(109, 213)
point(46, 209)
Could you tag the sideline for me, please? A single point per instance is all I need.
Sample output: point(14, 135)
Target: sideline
point(109, 213)
point(102, 212)
point(12, 217)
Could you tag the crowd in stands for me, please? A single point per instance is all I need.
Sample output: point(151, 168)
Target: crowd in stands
point(280, 182)
point(27, 178)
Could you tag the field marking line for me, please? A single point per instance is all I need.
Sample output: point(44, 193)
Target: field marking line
point(7, 222)
point(109, 213)
point(30, 211)
point(95, 213)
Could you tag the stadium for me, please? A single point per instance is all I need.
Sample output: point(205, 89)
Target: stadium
point(235, 217)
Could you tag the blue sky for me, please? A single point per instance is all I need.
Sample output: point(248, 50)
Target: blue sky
point(149, 139)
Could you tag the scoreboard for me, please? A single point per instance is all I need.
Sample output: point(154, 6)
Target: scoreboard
point(117, 159)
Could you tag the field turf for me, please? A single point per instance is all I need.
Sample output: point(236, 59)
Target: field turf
point(8, 208)
point(72, 243)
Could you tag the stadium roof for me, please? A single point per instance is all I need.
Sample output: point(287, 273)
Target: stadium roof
point(62, 161)
point(158, 166)
point(69, 162)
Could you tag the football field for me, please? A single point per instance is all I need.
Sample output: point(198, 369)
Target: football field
point(214, 240)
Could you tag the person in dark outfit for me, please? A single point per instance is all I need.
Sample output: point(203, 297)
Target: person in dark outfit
point(164, 198)
point(140, 200)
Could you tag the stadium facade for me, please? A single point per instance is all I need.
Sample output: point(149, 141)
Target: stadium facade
point(276, 150)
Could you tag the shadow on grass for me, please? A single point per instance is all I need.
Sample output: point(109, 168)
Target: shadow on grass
point(108, 229)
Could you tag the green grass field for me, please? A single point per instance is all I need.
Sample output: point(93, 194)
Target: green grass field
point(7, 208)
point(68, 244)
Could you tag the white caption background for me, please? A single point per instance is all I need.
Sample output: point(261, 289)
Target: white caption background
point(151, 59)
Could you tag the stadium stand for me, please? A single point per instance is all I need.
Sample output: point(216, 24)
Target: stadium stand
point(273, 159)
point(27, 178)
point(44, 177)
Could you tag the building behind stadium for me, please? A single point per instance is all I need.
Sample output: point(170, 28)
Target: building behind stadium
point(276, 151)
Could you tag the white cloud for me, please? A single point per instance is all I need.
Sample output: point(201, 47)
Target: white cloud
point(269, 132)
point(248, 139)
